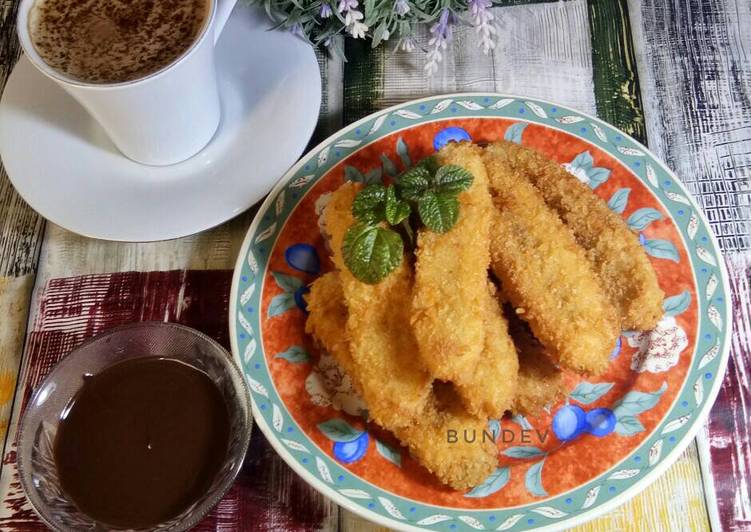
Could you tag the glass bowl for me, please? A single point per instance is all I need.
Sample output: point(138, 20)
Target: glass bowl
point(36, 463)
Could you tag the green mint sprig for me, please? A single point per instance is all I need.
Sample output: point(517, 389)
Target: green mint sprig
point(425, 196)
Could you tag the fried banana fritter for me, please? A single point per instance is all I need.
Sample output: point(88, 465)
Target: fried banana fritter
point(392, 377)
point(450, 443)
point(327, 322)
point(493, 384)
point(613, 249)
point(540, 381)
point(454, 461)
point(449, 305)
point(450, 277)
point(546, 275)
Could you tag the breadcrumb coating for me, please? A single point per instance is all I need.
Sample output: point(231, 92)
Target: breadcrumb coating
point(611, 247)
point(450, 307)
point(454, 461)
point(540, 381)
point(392, 377)
point(546, 275)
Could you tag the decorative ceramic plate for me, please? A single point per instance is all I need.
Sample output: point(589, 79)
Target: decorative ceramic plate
point(608, 439)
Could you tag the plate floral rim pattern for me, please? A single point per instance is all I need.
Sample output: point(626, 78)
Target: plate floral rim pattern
point(662, 446)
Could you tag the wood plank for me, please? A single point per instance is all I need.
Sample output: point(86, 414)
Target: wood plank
point(544, 51)
point(725, 443)
point(9, 45)
point(14, 309)
point(332, 98)
point(65, 254)
point(21, 232)
point(350, 522)
point(695, 70)
point(675, 502)
point(614, 67)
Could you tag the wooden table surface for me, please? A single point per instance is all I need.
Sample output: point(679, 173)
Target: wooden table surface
point(675, 74)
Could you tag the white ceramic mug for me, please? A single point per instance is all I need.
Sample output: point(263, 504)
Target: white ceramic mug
point(162, 118)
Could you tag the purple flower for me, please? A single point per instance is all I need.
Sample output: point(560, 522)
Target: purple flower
point(441, 32)
point(326, 10)
point(442, 29)
point(353, 16)
point(483, 22)
point(478, 7)
point(401, 7)
point(357, 30)
point(347, 5)
point(408, 44)
point(296, 29)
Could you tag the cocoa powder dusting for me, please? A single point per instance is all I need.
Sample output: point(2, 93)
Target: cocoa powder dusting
point(111, 41)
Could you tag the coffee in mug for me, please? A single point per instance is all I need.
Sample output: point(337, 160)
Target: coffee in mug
point(113, 41)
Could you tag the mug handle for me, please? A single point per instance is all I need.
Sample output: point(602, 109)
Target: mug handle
point(223, 11)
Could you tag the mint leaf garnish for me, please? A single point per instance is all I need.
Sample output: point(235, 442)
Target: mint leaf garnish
point(439, 212)
point(396, 209)
point(372, 252)
point(414, 183)
point(430, 163)
point(452, 179)
point(374, 246)
point(369, 205)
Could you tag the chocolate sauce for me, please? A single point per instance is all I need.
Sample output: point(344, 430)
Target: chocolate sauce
point(141, 441)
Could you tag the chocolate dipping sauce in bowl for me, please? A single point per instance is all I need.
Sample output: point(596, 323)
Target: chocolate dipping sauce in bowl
point(143, 427)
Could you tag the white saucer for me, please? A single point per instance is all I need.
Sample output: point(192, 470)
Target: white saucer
point(65, 167)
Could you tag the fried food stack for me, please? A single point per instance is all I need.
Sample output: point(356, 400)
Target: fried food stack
point(440, 344)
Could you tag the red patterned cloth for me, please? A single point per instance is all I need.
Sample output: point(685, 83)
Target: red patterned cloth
point(267, 494)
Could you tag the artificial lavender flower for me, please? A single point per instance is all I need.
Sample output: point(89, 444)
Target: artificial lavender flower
point(326, 18)
point(483, 22)
point(326, 10)
point(408, 44)
point(357, 30)
point(347, 5)
point(352, 18)
point(296, 29)
point(441, 32)
point(401, 7)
